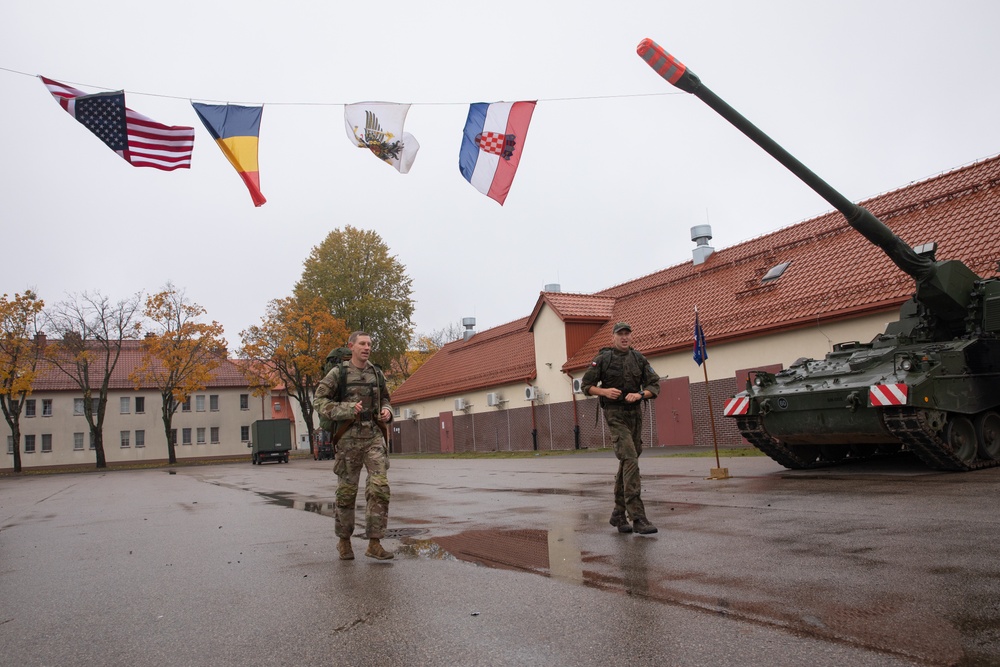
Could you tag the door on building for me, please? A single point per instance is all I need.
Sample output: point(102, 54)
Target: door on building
point(674, 425)
point(447, 433)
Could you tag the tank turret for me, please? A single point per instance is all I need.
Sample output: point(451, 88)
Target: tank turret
point(930, 383)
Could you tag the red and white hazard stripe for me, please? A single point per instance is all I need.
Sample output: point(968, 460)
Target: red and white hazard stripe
point(738, 405)
point(887, 394)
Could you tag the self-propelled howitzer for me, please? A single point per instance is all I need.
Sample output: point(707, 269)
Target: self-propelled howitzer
point(930, 382)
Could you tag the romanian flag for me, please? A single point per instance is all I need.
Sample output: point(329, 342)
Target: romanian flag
point(237, 130)
point(491, 145)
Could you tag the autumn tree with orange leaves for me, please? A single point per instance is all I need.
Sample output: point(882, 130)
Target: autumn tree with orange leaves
point(18, 359)
point(289, 348)
point(180, 352)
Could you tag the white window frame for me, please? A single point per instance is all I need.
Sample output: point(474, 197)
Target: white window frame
point(125, 440)
point(140, 438)
point(125, 405)
point(46, 407)
point(214, 435)
point(213, 402)
point(46, 443)
point(78, 441)
point(199, 403)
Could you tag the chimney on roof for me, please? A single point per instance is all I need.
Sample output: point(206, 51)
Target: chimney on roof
point(701, 234)
point(470, 327)
point(552, 287)
point(40, 340)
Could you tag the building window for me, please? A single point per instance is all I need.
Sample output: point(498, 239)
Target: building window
point(46, 442)
point(213, 402)
point(244, 434)
point(29, 408)
point(199, 403)
point(140, 439)
point(140, 406)
point(77, 406)
point(46, 407)
point(92, 445)
point(201, 435)
point(215, 435)
point(125, 440)
point(126, 403)
point(244, 401)
point(10, 444)
point(78, 441)
point(186, 405)
point(186, 436)
point(173, 436)
point(29, 444)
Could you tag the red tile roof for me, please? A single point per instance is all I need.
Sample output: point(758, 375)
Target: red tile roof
point(574, 307)
point(834, 274)
point(51, 378)
point(500, 355)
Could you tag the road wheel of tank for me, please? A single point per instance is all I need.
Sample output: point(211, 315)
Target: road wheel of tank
point(861, 452)
point(832, 453)
point(988, 435)
point(807, 455)
point(961, 437)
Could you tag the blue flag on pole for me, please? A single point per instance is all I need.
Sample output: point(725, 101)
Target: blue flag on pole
point(700, 351)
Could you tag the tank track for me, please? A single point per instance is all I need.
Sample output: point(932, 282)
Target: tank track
point(753, 430)
point(913, 428)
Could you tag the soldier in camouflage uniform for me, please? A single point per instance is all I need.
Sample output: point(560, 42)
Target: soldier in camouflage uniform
point(623, 378)
point(365, 402)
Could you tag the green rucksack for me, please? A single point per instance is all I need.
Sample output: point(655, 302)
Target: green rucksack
point(337, 357)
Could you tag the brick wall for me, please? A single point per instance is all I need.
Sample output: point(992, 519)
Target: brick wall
point(510, 429)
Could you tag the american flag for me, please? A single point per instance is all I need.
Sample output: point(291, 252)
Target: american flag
point(141, 141)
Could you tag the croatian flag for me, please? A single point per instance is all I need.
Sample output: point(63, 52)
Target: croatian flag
point(491, 145)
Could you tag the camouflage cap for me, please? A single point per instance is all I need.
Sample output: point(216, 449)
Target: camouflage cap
point(621, 326)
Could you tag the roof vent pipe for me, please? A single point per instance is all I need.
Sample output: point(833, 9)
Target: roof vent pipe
point(470, 327)
point(701, 234)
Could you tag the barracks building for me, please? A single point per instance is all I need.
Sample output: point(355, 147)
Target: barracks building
point(762, 304)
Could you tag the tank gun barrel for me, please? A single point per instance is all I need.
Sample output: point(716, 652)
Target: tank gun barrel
point(861, 219)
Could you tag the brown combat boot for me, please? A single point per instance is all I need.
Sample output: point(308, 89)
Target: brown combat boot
point(643, 526)
point(344, 547)
point(620, 521)
point(375, 550)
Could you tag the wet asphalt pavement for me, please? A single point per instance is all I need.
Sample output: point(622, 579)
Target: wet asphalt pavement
point(504, 562)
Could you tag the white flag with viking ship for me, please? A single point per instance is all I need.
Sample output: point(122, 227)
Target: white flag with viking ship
point(378, 126)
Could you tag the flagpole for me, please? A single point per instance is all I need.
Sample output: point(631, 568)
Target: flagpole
point(711, 414)
point(701, 357)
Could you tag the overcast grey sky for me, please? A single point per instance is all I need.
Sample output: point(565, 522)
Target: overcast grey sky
point(617, 165)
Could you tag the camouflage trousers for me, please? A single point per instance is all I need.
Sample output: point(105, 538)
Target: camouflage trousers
point(357, 450)
point(625, 426)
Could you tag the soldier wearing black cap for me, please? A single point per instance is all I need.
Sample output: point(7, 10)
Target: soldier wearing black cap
point(622, 378)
